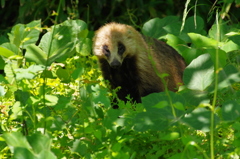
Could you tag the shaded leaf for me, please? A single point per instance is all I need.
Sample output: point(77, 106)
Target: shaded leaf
point(157, 28)
point(230, 110)
point(199, 119)
point(199, 73)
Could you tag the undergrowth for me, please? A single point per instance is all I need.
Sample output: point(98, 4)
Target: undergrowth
point(55, 103)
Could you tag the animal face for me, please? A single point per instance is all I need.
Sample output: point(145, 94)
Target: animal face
point(114, 58)
point(114, 43)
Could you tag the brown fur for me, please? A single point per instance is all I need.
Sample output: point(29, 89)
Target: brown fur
point(142, 58)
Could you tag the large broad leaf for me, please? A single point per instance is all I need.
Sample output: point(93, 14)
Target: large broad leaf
point(219, 54)
point(60, 43)
point(16, 139)
point(28, 73)
point(10, 47)
point(194, 24)
point(235, 39)
point(5, 52)
point(68, 31)
point(213, 32)
point(228, 76)
point(201, 41)
point(230, 46)
point(36, 146)
point(159, 114)
point(231, 110)
point(24, 35)
point(199, 119)
point(157, 28)
point(199, 73)
point(35, 54)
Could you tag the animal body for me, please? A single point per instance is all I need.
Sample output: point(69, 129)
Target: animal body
point(132, 61)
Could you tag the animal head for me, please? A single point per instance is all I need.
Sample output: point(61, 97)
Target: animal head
point(114, 42)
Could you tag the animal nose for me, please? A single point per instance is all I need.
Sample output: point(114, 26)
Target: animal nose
point(115, 64)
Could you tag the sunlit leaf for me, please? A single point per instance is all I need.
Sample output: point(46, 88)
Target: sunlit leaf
point(199, 73)
point(201, 41)
point(5, 52)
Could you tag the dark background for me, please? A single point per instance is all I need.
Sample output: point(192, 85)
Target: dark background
point(98, 12)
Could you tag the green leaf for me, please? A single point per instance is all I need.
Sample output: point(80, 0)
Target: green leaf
point(100, 95)
point(63, 75)
point(201, 41)
point(16, 111)
point(29, 73)
point(158, 115)
point(13, 48)
point(194, 24)
point(199, 73)
point(222, 56)
point(223, 31)
point(80, 147)
point(84, 47)
point(2, 91)
point(228, 76)
point(21, 96)
point(230, 110)
point(170, 136)
point(16, 139)
point(116, 147)
point(78, 28)
point(98, 134)
point(51, 100)
point(230, 46)
point(23, 153)
point(2, 63)
point(39, 147)
point(3, 80)
point(24, 35)
point(157, 28)
point(8, 69)
point(35, 54)
point(199, 119)
point(39, 143)
point(235, 39)
point(5, 52)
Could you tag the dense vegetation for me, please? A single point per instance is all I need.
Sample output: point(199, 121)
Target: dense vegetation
point(55, 104)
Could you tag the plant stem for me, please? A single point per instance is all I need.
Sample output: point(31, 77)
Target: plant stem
point(216, 70)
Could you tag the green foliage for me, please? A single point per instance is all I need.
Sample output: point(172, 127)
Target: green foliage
point(55, 104)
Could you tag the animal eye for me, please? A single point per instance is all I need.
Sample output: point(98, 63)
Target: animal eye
point(106, 51)
point(121, 48)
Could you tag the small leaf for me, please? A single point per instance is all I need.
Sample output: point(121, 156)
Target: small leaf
point(84, 47)
point(98, 134)
point(170, 136)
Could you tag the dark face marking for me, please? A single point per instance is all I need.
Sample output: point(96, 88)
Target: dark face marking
point(106, 51)
point(121, 48)
point(115, 64)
